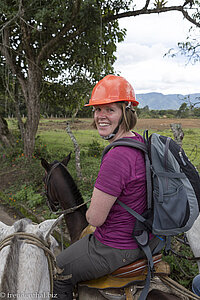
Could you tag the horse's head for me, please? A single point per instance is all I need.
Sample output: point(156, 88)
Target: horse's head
point(42, 230)
point(52, 200)
point(27, 252)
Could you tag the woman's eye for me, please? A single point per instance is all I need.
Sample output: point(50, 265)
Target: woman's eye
point(96, 109)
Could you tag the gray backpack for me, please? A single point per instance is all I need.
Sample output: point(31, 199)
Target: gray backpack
point(173, 194)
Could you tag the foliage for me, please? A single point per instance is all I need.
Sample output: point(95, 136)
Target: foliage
point(28, 195)
point(191, 47)
point(160, 3)
point(95, 149)
point(182, 269)
point(40, 149)
point(10, 153)
point(183, 111)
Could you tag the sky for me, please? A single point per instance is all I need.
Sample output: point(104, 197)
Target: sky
point(140, 58)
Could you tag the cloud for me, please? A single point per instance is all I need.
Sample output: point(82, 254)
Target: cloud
point(140, 57)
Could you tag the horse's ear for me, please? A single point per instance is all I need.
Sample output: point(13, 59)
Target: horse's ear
point(66, 159)
point(48, 226)
point(45, 164)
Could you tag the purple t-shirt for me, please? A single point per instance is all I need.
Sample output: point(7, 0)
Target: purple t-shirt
point(122, 174)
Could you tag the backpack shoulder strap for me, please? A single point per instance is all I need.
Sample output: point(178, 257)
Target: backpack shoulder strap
point(141, 146)
point(125, 142)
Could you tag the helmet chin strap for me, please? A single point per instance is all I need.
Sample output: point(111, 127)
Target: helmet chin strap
point(111, 135)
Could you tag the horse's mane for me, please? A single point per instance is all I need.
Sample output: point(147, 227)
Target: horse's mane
point(10, 279)
point(73, 186)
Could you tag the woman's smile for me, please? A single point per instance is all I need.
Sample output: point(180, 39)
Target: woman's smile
point(107, 118)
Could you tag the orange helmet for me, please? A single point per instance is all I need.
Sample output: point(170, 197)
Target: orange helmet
point(112, 89)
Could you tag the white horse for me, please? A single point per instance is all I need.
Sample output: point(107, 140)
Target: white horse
point(24, 254)
point(193, 236)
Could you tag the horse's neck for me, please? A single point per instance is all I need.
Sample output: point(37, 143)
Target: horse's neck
point(76, 222)
point(32, 274)
point(68, 196)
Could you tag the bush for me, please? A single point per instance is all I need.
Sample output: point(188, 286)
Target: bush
point(95, 149)
point(41, 149)
point(28, 195)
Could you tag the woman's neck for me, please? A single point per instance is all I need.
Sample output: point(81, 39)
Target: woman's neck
point(121, 135)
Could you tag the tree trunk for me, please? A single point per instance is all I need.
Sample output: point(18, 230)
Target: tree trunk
point(6, 138)
point(32, 98)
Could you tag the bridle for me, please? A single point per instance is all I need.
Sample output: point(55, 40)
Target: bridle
point(54, 270)
point(51, 204)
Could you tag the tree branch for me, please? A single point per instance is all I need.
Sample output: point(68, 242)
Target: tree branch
point(146, 4)
point(48, 48)
point(25, 35)
point(12, 19)
point(190, 19)
point(146, 11)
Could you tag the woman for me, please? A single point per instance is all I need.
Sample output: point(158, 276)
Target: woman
point(121, 176)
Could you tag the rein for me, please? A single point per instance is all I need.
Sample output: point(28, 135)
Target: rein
point(54, 270)
point(70, 210)
point(66, 211)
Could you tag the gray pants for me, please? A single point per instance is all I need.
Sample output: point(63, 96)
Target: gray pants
point(89, 259)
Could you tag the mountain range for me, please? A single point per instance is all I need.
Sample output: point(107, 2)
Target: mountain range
point(160, 101)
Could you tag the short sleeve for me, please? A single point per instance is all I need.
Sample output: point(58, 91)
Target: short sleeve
point(116, 170)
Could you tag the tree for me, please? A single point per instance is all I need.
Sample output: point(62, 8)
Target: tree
point(183, 111)
point(6, 139)
point(188, 105)
point(39, 39)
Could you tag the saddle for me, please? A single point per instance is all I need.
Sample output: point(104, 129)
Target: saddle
point(133, 273)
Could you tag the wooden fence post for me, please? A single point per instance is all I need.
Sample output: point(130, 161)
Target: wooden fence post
point(77, 152)
point(177, 132)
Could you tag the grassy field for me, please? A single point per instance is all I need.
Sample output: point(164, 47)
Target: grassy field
point(52, 133)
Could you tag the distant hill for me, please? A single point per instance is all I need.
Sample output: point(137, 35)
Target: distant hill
point(160, 101)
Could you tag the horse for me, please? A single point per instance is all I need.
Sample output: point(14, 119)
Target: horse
point(193, 239)
point(27, 262)
point(62, 192)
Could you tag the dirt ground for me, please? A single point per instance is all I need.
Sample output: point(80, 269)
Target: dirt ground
point(156, 124)
point(7, 215)
point(160, 124)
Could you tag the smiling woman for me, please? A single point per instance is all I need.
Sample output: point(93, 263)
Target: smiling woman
point(113, 99)
point(121, 177)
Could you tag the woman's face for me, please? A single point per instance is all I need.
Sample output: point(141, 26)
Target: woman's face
point(107, 117)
